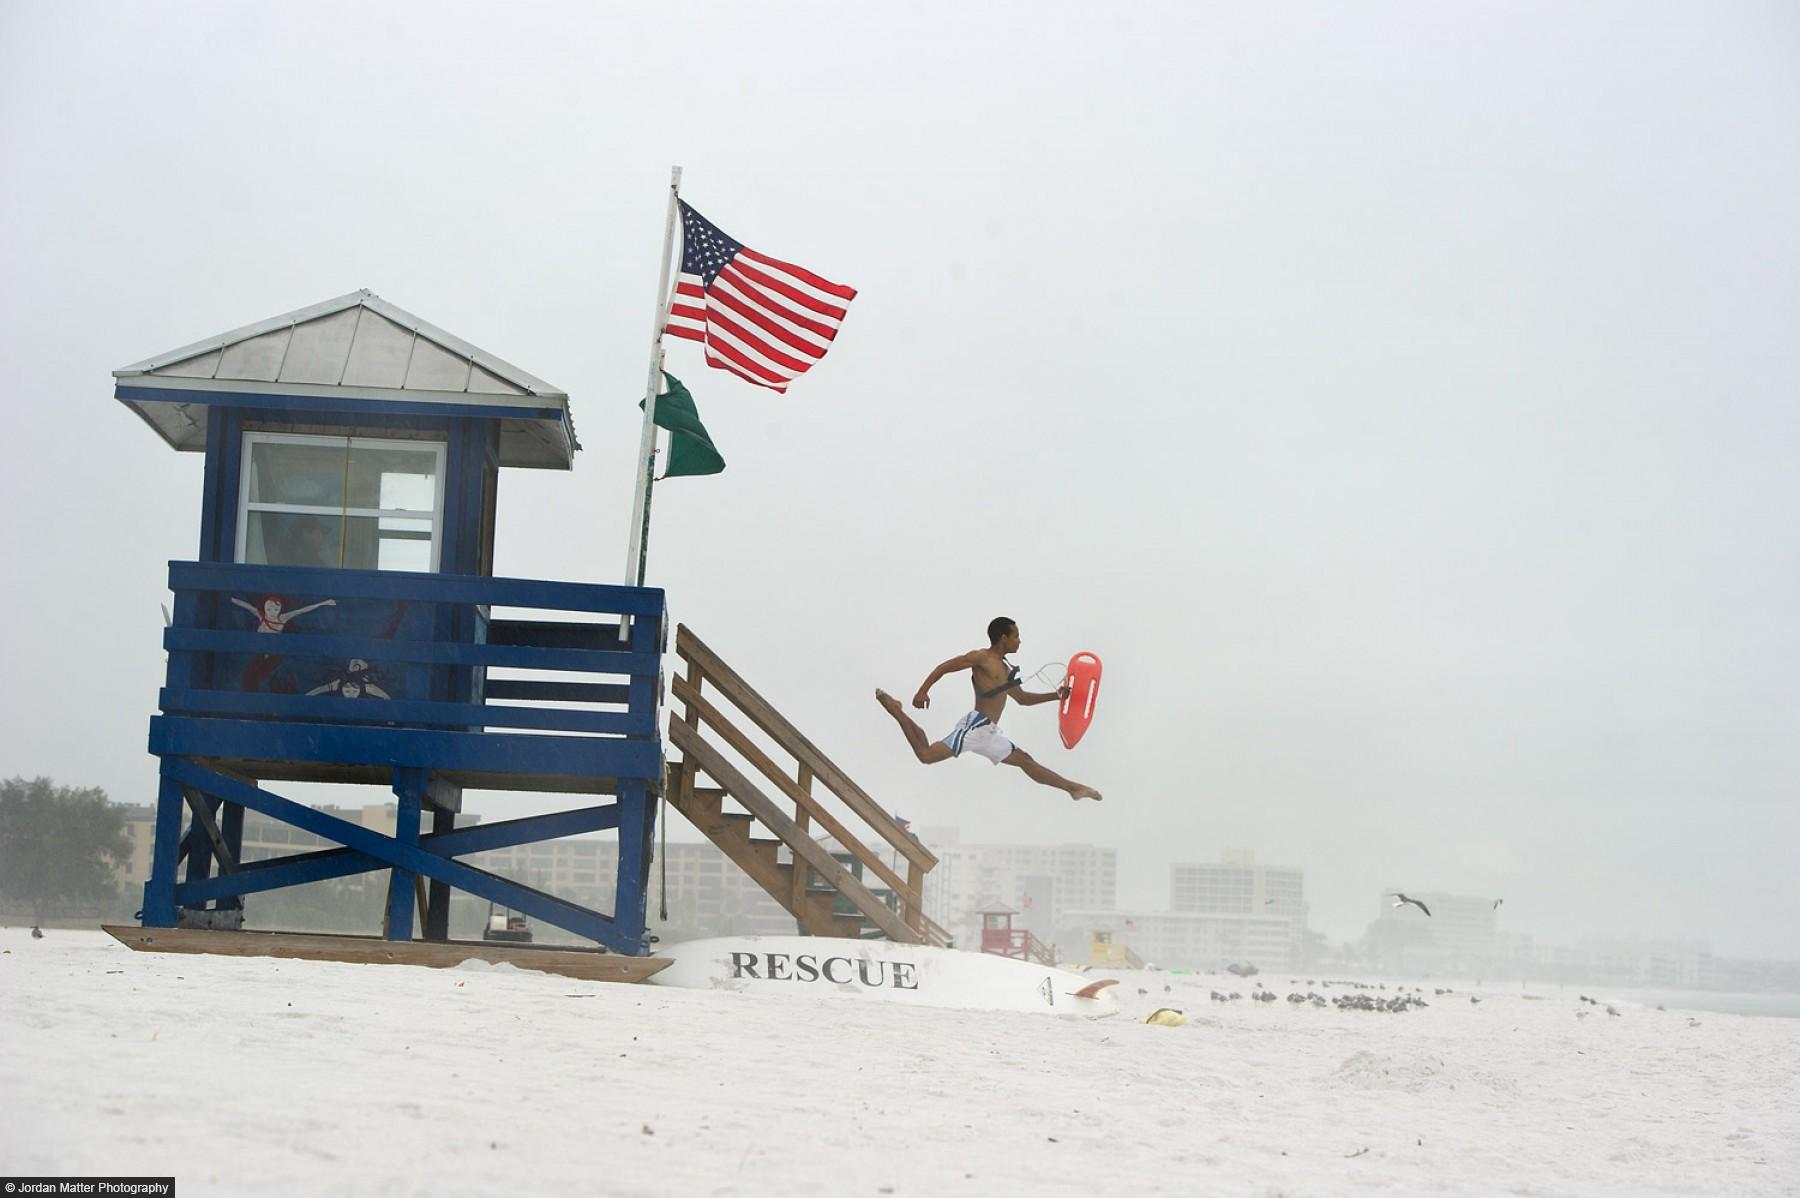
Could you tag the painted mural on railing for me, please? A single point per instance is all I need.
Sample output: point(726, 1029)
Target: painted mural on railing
point(295, 673)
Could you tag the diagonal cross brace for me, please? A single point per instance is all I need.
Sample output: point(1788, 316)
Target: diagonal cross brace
point(275, 873)
point(203, 819)
point(533, 903)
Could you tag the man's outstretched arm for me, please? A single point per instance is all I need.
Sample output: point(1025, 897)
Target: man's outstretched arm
point(954, 665)
point(1030, 699)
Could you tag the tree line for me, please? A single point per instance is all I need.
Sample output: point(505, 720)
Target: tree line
point(60, 849)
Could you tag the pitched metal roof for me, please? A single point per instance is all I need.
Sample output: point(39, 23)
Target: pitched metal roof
point(357, 346)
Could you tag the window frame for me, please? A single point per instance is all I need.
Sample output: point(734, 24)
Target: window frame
point(440, 453)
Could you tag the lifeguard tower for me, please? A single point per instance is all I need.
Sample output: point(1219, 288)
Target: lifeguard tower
point(1000, 938)
point(340, 624)
point(1105, 949)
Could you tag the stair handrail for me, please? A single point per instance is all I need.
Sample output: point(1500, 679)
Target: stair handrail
point(761, 713)
point(806, 850)
point(699, 711)
point(936, 935)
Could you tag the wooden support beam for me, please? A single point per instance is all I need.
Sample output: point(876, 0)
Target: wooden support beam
point(410, 784)
point(534, 903)
point(637, 818)
point(915, 910)
point(159, 891)
point(436, 918)
point(203, 820)
point(275, 873)
point(233, 828)
point(197, 846)
point(802, 817)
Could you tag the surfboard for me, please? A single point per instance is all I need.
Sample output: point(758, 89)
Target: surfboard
point(804, 967)
point(1077, 710)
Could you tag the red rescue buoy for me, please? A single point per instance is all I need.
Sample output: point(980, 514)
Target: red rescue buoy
point(1078, 706)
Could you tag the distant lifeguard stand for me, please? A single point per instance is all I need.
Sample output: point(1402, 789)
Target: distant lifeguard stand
point(1105, 949)
point(1000, 938)
point(341, 624)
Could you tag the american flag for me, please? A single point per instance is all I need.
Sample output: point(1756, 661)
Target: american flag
point(761, 318)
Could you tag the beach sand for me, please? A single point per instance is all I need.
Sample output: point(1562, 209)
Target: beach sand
point(256, 1076)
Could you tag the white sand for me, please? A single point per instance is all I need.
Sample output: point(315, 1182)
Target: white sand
point(288, 1077)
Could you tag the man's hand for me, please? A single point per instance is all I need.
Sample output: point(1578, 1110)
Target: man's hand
point(922, 700)
point(1062, 692)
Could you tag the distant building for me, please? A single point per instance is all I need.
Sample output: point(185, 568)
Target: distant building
point(1040, 881)
point(1259, 907)
point(1622, 960)
point(1179, 940)
point(140, 826)
point(1461, 933)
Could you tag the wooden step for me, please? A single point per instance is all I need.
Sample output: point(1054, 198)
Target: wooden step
point(702, 804)
point(885, 895)
point(761, 868)
point(840, 903)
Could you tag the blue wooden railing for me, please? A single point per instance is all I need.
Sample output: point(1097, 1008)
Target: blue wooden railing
point(425, 643)
point(383, 676)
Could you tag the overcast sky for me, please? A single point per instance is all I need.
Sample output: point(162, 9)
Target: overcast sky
point(1399, 398)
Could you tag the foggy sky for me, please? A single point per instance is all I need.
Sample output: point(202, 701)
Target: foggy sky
point(1399, 399)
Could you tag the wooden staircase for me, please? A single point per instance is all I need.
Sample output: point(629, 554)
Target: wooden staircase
point(767, 827)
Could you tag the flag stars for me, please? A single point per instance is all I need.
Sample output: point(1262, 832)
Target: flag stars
point(705, 250)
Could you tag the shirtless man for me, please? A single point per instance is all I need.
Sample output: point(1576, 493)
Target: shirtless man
point(995, 680)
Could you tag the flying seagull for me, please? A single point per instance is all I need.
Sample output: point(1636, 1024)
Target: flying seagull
point(1403, 901)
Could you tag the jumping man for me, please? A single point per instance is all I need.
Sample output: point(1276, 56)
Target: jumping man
point(995, 680)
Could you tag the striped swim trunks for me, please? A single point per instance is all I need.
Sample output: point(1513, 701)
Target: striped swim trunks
point(978, 734)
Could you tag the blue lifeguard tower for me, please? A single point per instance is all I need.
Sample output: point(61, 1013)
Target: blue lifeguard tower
point(341, 624)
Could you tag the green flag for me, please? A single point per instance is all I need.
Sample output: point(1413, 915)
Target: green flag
point(690, 449)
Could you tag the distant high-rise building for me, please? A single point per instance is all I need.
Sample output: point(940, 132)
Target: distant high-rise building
point(1174, 939)
point(1055, 878)
point(1236, 885)
point(1235, 889)
point(1460, 932)
point(708, 894)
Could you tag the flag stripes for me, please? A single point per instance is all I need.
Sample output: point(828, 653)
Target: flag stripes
point(765, 320)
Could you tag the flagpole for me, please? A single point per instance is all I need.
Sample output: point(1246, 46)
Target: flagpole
point(640, 511)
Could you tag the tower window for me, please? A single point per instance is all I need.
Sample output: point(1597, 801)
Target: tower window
point(356, 502)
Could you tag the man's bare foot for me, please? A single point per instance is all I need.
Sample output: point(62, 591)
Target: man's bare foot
point(889, 703)
point(1085, 792)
